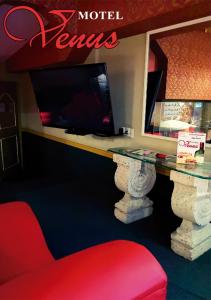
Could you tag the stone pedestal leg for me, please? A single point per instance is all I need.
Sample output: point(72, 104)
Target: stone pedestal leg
point(191, 201)
point(136, 179)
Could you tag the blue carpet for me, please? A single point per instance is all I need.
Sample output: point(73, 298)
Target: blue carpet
point(76, 214)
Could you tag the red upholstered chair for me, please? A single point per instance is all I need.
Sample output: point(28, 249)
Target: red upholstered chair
point(118, 270)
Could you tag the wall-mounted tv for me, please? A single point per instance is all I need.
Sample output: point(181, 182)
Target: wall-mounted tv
point(75, 98)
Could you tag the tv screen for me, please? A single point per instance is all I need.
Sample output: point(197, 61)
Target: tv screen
point(75, 98)
point(153, 85)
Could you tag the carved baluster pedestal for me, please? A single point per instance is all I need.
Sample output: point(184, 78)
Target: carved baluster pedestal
point(191, 201)
point(136, 179)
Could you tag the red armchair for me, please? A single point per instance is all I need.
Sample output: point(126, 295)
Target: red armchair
point(118, 270)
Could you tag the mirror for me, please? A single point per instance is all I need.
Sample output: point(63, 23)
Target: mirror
point(179, 80)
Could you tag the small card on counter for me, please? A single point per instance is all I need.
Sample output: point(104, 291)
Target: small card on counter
point(152, 155)
point(191, 147)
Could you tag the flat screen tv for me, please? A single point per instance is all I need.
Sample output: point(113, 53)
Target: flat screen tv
point(75, 98)
point(153, 86)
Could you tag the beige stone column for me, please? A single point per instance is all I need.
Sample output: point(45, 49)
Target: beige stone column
point(135, 178)
point(191, 201)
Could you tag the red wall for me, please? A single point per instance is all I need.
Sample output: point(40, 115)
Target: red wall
point(189, 65)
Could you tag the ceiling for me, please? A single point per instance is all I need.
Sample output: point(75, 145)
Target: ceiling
point(16, 25)
point(139, 17)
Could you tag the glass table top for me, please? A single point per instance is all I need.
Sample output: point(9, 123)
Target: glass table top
point(169, 162)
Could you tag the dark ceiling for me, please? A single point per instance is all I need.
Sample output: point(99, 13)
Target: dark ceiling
point(139, 16)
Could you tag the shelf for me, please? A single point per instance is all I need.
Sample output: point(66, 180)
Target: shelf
point(202, 171)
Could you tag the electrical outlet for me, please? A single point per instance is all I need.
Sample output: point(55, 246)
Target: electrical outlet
point(128, 131)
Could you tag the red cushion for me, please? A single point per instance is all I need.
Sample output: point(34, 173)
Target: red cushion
point(22, 245)
point(119, 270)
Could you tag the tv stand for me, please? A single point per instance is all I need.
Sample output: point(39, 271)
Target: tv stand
point(80, 131)
point(76, 131)
point(107, 134)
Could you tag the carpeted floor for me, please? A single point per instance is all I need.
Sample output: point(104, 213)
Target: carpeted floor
point(76, 214)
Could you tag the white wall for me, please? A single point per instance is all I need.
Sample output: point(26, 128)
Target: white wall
point(126, 65)
point(19, 79)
